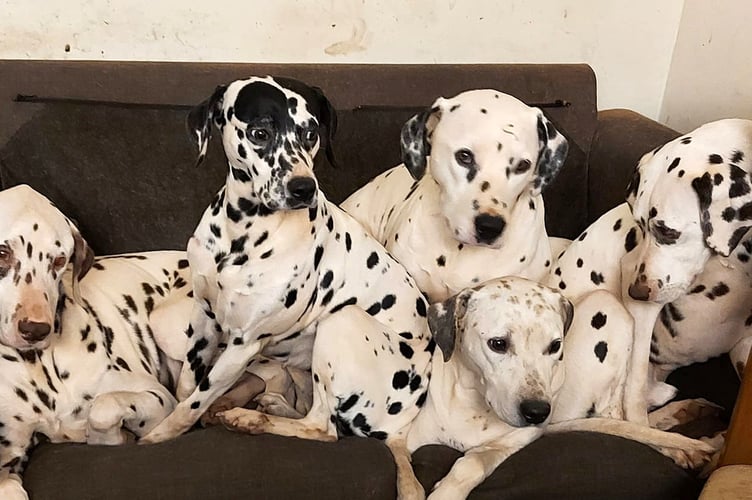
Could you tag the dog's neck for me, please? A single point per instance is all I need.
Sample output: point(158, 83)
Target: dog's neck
point(449, 376)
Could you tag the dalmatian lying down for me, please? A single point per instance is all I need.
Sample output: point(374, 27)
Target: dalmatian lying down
point(473, 210)
point(505, 370)
point(80, 360)
point(274, 263)
point(678, 252)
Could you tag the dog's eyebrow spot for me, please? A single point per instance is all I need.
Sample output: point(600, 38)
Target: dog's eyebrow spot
point(484, 186)
point(483, 110)
point(454, 108)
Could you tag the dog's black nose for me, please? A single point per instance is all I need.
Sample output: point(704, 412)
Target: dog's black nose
point(488, 227)
point(535, 411)
point(33, 331)
point(301, 189)
point(639, 291)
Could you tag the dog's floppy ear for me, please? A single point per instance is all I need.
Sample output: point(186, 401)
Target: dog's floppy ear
point(327, 117)
point(567, 313)
point(552, 151)
point(445, 320)
point(200, 119)
point(83, 259)
point(725, 200)
point(415, 139)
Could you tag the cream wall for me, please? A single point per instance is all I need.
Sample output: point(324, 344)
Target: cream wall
point(710, 75)
point(628, 42)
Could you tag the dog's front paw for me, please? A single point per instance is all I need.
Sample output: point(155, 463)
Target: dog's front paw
point(11, 489)
point(241, 419)
point(272, 403)
point(694, 457)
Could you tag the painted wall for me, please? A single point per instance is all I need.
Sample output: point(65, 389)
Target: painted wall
point(710, 75)
point(628, 43)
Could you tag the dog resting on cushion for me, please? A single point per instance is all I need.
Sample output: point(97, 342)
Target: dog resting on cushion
point(81, 351)
point(473, 210)
point(506, 368)
point(678, 253)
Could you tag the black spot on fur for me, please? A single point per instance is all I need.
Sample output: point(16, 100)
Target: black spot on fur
point(598, 321)
point(372, 260)
point(400, 380)
point(715, 159)
point(420, 307)
point(630, 242)
point(394, 408)
point(601, 349)
point(406, 350)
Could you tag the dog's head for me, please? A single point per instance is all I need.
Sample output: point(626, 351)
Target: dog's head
point(37, 242)
point(489, 153)
point(510, 333)
point(271, 129)
point(692, 199)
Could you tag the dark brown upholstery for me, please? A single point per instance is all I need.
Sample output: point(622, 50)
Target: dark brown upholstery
point(124, 171)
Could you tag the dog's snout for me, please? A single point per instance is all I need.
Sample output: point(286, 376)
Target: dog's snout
point(535, 411)
point(302, 189)
point(488, 227)
point(639, 291)
point(33, 331)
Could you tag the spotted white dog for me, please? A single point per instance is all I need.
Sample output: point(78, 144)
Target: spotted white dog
point(274, 263)
point(679, 255)
point(498, 380)
point(80, 360)
point(473, 210)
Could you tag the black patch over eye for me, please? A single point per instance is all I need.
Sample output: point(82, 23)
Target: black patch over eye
point(498, 344)
point(465, 157)
point(259, 134)
point(554, 347)
point(664, 234)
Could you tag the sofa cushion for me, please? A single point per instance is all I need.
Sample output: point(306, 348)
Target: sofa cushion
point(215, 463)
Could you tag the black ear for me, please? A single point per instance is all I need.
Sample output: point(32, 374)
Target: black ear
point(415, 143)
point(567, 313)
point(724, 194)
point(552, 151)
point(445, 320)
point(327, 118)
point(200, 120)
point(83, 259)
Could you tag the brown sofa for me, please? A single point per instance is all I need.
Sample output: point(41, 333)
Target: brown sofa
point(107, 142)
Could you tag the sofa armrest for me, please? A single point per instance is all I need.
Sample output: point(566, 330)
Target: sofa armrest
point(621, 138)
point(738, 448)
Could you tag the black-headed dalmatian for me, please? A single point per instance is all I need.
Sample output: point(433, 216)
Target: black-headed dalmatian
point(275, 264)
point(80, 358)
point(497, 381)
point(473, 210)
point(678, 252)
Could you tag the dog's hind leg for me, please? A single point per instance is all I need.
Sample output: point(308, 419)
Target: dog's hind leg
point(478, 463)
point(139, 412)
point(248, 387)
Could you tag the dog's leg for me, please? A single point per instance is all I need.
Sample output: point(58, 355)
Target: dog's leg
point(248, 387)
point(478, 463)
point(635, 390)
point(227, 370)
point(316, 425)
point(659, 392)
point(139, 412)
point(201, 349)
point(14, 448)
point(408, 486)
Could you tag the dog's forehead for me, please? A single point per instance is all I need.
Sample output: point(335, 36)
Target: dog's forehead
point(265, 97)
point(488, 116)
point(30, 214)
point(513, 299)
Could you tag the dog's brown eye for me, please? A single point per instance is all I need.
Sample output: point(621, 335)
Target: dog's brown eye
point(310, 135)
point(498, 344)
point(465, 157)
point(59, 262)
point(554, 347)
point(5, 253)
point(259, 134)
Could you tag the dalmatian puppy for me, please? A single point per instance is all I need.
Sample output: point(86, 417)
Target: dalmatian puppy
point(678, 252)
point(473, 210)
point(80, 349)
point(497, 381)
point(275, 264)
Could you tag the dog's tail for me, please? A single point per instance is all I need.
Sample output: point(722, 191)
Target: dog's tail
point(634, 431)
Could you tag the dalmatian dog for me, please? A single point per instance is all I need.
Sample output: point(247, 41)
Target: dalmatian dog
point(276, 265)
point(473, 210)
point(498, 381)
point(80, 345)
point(678, 253)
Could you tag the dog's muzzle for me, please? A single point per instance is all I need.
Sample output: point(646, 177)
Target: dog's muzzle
point(488, 228)
point(302, 191)
point(535, 411)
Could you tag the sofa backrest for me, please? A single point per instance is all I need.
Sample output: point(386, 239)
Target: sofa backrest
point(107, 141)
